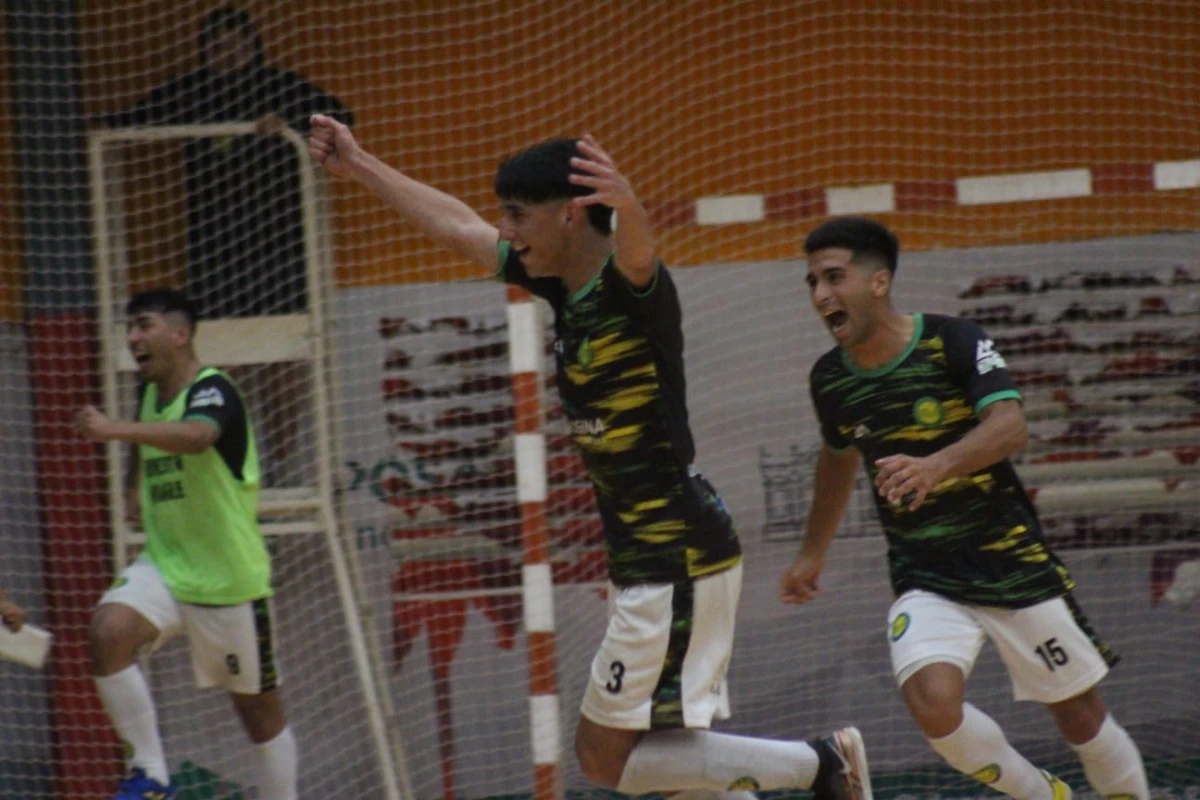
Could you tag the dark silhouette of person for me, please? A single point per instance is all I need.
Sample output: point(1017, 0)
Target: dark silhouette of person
point(245, 242)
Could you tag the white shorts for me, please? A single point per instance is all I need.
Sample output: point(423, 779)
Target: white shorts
point(231, 646)
point(1049, 649)
point(663, 660)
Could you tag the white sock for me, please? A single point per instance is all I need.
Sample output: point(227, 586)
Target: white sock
point(978, 748)
point(1112, 763)
point(665, 761)
point(277, 767)
point(126, 698)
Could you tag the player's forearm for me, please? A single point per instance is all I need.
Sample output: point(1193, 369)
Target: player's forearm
point(833, 485)
point(440, 216)
point(171, 437)
point(1000, 434)
point(635, 245)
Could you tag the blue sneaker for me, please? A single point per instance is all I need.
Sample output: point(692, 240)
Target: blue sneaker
point(138, 787)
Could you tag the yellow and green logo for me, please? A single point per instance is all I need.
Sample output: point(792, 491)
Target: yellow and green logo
point(900, 625)
point(744, 784)
point(119, 582)
point(927, 411)
point(989, 774)
point(584, 355)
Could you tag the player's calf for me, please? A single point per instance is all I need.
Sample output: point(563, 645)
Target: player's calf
point(1111, 760)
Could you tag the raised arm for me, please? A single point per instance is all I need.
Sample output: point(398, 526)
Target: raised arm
point(443, 218)
point(635, 256)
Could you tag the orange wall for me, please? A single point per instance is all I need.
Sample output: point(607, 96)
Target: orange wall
point(709, 97)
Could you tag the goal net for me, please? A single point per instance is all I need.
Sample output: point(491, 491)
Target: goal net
point(1036, 161)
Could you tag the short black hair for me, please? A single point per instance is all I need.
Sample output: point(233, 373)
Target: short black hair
point(859, 235)
point(542, 173)
point(163, 301)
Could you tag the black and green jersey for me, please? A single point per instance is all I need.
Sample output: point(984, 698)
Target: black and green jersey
point(975, 539)
point(619, 353)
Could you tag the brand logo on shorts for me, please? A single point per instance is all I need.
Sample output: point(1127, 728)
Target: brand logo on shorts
point(744, 784)
point(989, 774)
point(231, 663)
point(927, 411)
point(900, 625)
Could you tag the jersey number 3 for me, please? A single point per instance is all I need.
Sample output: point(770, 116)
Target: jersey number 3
point(1052, 655)
point(618, 672)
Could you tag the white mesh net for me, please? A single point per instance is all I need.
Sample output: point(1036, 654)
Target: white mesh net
point(377, 364)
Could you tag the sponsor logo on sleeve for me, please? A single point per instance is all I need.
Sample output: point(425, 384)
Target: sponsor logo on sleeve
point(211, 396)
point(986, 357)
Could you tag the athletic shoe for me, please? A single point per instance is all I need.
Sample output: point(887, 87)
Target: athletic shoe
point(138, 787)
point(1059, 790)
point(843, 773)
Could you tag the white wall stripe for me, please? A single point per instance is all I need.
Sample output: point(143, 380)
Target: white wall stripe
point(530, 454)
point(544, 728)
point(875, 198)
point(538, 598)
point(524, 338)
point(1024, 186)
point(730, 208)
point(1176, 175)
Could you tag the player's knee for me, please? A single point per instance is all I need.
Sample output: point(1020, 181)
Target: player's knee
point(935, 704)
point(1081, 717)
point(597, 763)
point(112, 640)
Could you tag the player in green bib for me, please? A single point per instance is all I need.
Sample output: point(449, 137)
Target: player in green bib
point(204, 571)
point(927, 405)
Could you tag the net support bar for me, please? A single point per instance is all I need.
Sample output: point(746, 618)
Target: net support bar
point(537, 584)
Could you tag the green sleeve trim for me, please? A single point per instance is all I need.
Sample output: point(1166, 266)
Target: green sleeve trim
point(839, 450)
point(201, 418)
point(502, 250)
point(649, 290)
point(1007, 394)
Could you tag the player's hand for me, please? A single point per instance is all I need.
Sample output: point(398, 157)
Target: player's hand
point(905, 480)
point(92, 423)
point(269, 124)
point(598, 171)
point(332, 145)
point(13, 614)
point(799, 581)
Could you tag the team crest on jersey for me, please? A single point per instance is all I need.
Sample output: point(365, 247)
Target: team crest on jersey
point(927, 411)
point(119, 582)
point(900, 625)
point(989, 774)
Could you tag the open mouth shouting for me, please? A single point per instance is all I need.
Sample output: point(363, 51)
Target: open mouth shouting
point(836, 320)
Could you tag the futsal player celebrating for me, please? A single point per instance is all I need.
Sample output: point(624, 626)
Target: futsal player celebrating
point(674, 559)
point(927, 403)
point(205, 571)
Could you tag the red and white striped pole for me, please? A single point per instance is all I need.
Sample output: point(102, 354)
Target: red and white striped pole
point(525, 349)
